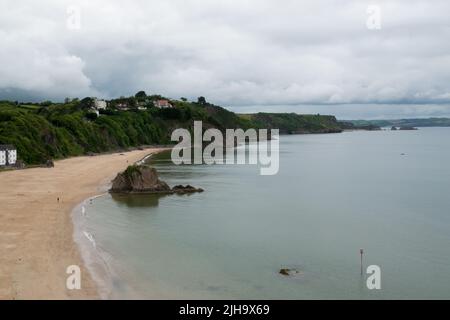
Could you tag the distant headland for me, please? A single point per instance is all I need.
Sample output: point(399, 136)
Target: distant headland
point(405, 123)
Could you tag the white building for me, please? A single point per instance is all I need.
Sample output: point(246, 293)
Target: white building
point(99, 104)
point(8, 155)
point(122, 106)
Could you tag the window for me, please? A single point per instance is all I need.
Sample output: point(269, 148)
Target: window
point(2, 158)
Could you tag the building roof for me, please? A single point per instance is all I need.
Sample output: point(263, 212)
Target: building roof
point(163, 102)
point(7, 147)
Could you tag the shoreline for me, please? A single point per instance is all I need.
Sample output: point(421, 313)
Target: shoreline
point(37, 241)
point(95, 260)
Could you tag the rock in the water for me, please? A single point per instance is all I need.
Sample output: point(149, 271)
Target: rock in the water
point(289, 272)
point(186, 189)
point(144, 179)
point(137, 179)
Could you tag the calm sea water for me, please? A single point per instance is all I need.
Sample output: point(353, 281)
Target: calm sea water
point(386, 192)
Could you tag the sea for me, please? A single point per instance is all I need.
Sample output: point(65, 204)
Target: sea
point(385, 192)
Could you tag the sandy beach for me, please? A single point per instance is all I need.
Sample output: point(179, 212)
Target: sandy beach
point(36, 231)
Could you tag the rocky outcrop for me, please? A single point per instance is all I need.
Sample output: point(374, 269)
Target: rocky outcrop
point(289, 272)
point(144, 179)
point(186, 189)
point(139, 179)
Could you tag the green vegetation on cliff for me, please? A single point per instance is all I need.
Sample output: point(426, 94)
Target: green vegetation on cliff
point(43, 131)
point(65, 130)
point(293, 123)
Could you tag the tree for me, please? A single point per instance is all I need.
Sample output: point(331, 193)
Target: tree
point(141, 95)
point(86, 103)
point(132, 102)
point(183, 99)
point(46, 103)
point(91, 116)
point(201, 101)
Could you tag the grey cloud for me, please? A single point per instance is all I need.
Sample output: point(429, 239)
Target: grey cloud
point(236, 53)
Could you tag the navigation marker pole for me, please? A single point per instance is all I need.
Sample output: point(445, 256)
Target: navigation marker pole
point(361, 252)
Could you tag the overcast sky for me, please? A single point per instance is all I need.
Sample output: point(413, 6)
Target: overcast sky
point(301, 56)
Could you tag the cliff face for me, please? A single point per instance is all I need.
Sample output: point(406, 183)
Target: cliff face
point(139, 179)
point(292, 123)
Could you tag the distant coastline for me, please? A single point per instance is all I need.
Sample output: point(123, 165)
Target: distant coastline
point(47, 131)
point(417, 122)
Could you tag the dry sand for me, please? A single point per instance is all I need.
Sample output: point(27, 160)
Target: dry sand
point(36, 232)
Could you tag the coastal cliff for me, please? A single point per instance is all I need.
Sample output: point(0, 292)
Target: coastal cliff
point(42, 131)
point(293, 123)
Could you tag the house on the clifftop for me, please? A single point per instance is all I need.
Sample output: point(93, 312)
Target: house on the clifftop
point(100, 104)
point(162, 104)
point(8, 155)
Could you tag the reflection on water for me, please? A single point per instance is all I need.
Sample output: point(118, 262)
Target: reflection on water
point(144, 200)
point(138, 200)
